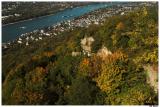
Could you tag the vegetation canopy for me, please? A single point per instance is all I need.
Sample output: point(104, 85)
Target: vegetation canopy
point(120, 67)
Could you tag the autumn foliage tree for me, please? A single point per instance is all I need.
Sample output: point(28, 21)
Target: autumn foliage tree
point(114, 80)
point(120, 26)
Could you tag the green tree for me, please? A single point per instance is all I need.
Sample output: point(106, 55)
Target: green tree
point(84, 92)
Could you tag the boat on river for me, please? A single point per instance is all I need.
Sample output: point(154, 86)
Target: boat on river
point(23, 27)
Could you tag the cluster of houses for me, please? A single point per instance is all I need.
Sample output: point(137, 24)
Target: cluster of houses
point(14, 15)
point(96, 17)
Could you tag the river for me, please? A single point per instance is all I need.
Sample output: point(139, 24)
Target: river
point(13, 31)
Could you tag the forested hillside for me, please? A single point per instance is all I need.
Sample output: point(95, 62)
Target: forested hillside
point(105, 64)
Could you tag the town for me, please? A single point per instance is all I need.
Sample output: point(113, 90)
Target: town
point(96, 17)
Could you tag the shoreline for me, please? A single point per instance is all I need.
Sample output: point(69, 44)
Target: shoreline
point(34, 18)
point(77, 18)
point(52, 31)
point(41, 16)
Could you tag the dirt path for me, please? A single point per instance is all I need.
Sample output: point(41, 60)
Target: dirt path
point(152, 77)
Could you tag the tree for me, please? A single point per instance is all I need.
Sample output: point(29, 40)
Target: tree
point(138, 95)
point(120, 26)
point(118, 75)
point(84, 92)
point(111, 77)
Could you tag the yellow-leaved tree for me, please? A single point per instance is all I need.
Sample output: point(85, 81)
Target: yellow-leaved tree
point(118, 76)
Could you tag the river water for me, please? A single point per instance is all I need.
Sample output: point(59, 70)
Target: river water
point(13, 31)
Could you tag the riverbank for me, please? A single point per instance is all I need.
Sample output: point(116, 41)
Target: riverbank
point(23, 17)
point(36, 17)
point(28, 26)
point(96, 17)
